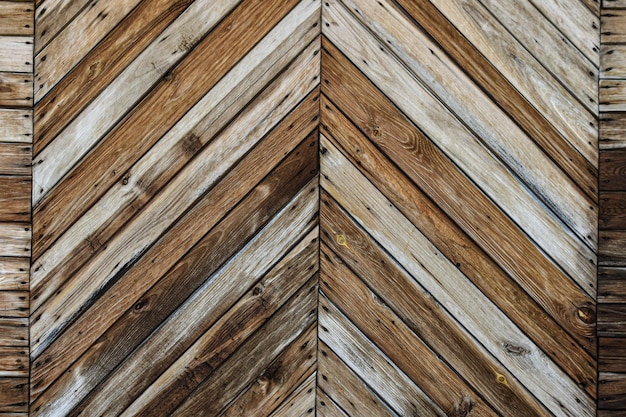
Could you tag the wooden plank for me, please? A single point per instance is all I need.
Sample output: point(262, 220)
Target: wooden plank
point(199, 125)
point(195, 316)
point(612, 210)
point(613, 61)
point(612, 248)
point(491, 126)
point(612, 284)
point(346, 389)
point(15, 159)
point(14, 396)
point(612, 320)
point(189, 230)
point(326, 407)
point(75, 41)
point(14, 239)
point(53, 15)
point(614, 4)
point(612, 391)
point(14, 274)
point(102, 65)
point(13, 332)
point(424, 164)
point(343, 287)
point(16, 18)
point(613, 352)
point(505, 94)
point(613, 170)
point(14, 303)
point(14, 197)
point(17, 54)
point(16, 125)
point(13, 362)
point(613, 26)
point(576, 123)
point(447, 284)
point(612, 132)
point(613, 95)
point(611, 413)
point(455, 140)
point(16, 90)
point(301, 402)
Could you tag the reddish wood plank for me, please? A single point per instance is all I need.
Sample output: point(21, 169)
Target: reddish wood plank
point(14, 198)
point(612, 391)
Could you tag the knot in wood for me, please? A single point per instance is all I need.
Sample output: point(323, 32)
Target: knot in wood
point(587, 315)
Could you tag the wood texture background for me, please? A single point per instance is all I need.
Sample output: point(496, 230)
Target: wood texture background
point(306, 207)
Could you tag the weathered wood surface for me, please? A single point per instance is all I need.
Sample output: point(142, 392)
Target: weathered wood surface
point(17, 18)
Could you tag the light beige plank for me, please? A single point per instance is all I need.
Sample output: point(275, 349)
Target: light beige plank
point(14, 274)
point(613, 95)
point(455, 140)
point(15, 239)
point(17, 54)
point(16, 18)
point(613, 62)
point(88, 28)
point(575, 122)
point(16, 125)
point(614, 4)
point(326, 407)
point(301, 402)
point(613, 26)
point(53, 15)
point(612, 131)
point(449, 286)
point(13, 303)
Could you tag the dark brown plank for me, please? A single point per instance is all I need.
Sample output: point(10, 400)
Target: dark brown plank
point(13, 362)
point(14, 396)
point(611, 320)
point(612, 391)
point(13, 332)
point(613, 170)
point(15, 159)
point(101, 66)
point(612, 247)
point(14, 276)
point(612, 354)
point(16, 90)
point(16, 18)
point(612, 210)
point(612, 285)
point(612, 132)
point(14, 199)
point(156, 114)
point(477, 216)
point(502, 91)
point(611, 413)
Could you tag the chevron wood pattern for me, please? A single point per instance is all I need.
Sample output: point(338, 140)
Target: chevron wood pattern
point(312, 207)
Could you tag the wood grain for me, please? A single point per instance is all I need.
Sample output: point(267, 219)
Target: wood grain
point(612, 391)
point(14, 396)
point(326, 407)
point(17, 54)
point(613, 26)
point(53, 15)
point(16, 18)
point(301, 402)
point(14, 197)
point(613, 353)
point(16, 90)
point(16, 125)
point(613, 170)
point(611, 251)
point(14, 274)
point(13, 332)
point(613, 61)
point(612, 284)
point(612, 320)
point(13, 362)
point(15, 159)
point(15, 239)
point(612, 133)
point(612, 210)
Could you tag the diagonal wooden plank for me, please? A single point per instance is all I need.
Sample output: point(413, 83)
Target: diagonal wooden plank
point(326, 407)
point(301, 402)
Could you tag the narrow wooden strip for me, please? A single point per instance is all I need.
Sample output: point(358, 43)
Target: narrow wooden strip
point(254, 358)
point(75, 41)
point(15, 159)
point(14, 274)
point(198, 127)
point(612, 210)
point(16, 90)
point(16, 125)
point(611, 251)
point(612, 132)
point(17, 54)
point(611, 413)
point(575, 122)
point(538, 26)
point(611, 320)
point(301, 402)
point(455, 140)
point(505, 94)
point(345, 389)
point(484, 376)
point(13, 362)
point(53, 15)
point(578, 24)
point(613, 62)
point(425, 165)
point(14, 396)
point(441, 278)
point(613, 95)
point(612, 391)
point(13, 332)
point(16, 18)
point(425, 318)
point(613, 26)
point(612, 284)
point(326, 407)
point(614, 4)
point(14, 303)
point(282, 376)
point(612, 354)
point(102, 65)
point(190, 321)
point(492, 128)
point(14, 197)
point(15, 239)
point(184, 235)
point(613, 170)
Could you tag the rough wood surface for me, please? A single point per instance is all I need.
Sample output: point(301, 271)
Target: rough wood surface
point(16, 90)
point(612, 132)
point(613, 26)
point(17, 54)
point(16, 125)
point(16, 18)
